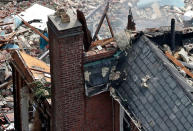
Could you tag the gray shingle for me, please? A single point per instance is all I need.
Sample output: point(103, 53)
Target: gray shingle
point(163, 126)
point(182, 107)
point(150, 98)
point(179, 114)
point(175, 109)
point(191, 110)
point(156, 128)
point(180, 127)
point(190, 118)
point(152, 59)
point(160, 68)
point(187, 126)
point(177, 102)
point(163, 94)
point(190, 129)
point(144, 68)
point(158, 121)
point(174, 97)
point(170, 92)
point(183, 120)
point(165, 74)
point(185, 112)
point(176, 121)
point(178, 91)
point(146, 51)
point(155, 115)
point(172, 116)
point(172, 84)
point(161, 112)
point(164, 106)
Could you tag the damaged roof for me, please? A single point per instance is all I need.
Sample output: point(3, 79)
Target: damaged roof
point(32, 70)
point(153, 91)
point(35, 68)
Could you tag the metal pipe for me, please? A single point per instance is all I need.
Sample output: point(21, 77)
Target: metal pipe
point(44, 55)
point(172, 34)
point(131, 23)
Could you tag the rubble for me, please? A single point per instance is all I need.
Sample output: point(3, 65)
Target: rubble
point(16, 35)
point(188, 15)
point(22, 30)
point(184, 55)
point(144, 81)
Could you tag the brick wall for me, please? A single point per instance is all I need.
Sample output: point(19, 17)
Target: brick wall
point(66, 55)
point(71, 109)
point(116, 116)
point(99, 113)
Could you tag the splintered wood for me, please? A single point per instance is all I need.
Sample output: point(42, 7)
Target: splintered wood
point(34, 29)
point(176, 62)
point(8, 38)
point(102, 42)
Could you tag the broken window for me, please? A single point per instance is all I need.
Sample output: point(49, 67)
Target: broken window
point(96, 75)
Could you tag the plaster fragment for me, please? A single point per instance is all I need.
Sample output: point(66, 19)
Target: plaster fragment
point(87, 75)
point(105, 70)
point(144, 81)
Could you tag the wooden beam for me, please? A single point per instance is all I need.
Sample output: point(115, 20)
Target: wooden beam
point(2, 24)
point(39, 70)
point(101, 21)
point(109, 24)
point(176, 62)
point(34, 29)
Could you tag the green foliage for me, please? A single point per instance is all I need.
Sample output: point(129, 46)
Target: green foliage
point(41, 89)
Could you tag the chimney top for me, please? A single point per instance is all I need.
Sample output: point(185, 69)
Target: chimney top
point(57, 21)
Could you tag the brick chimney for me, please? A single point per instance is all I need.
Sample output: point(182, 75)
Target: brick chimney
point(66, 57)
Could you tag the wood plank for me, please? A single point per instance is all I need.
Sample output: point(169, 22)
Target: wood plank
point(176, 62)
point(102, 42)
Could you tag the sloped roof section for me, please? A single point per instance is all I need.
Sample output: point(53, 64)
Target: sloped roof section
point(33, 64)
point(33, 68)
point(154, 91)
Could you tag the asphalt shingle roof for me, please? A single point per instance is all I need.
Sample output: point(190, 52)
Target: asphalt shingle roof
point(166, 104)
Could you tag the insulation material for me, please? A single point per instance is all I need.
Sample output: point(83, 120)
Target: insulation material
point(37, 12)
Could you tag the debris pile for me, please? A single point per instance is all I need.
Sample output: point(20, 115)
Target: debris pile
point(6, 91)
point(6, 109)
point(183, 60)
point(15, 34)
point(105, 28)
